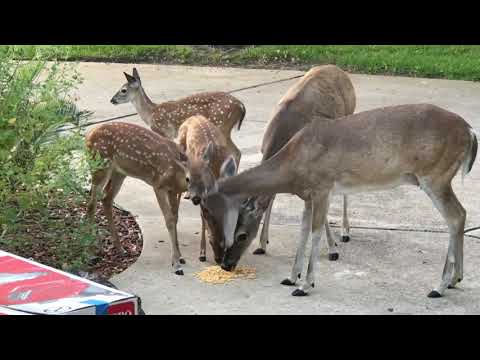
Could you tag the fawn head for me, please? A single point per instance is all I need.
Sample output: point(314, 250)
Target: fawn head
point(129, 90)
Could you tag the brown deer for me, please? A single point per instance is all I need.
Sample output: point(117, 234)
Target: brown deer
point(420, 145)
point(323, 94)
point(132, 150)
point(207, 151)
point(222, 109)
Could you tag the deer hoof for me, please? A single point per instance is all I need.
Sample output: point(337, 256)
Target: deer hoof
point(179, 272)
point(434, 294)
point(333, 257)
point(451, 286)
point(287, 282)
point(182, 261)
point(202, 258)
point(345, 238)
point(299, 292)
point(259, 251)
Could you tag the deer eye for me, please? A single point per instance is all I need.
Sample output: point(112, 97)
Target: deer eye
point(123, 91)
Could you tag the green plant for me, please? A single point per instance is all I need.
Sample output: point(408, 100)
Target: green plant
point(44, 169)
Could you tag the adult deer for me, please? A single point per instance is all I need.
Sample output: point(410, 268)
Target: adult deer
point(323, 94)
point(206, 150)
point(421, 145)
point(222, 109)
point(132, 150)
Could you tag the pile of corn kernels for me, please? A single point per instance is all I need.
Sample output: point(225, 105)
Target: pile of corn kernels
point(216, 275)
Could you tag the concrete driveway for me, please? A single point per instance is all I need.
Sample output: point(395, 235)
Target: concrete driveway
point(379, 272)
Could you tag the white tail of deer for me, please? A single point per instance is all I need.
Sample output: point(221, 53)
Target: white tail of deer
point(323, 94)
point(134, 151)
point(209, 159)
point(420, 145)
point(222, 109)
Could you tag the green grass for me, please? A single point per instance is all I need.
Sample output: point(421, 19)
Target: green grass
point(451, 62)
point(432, 61)
point(109, 53)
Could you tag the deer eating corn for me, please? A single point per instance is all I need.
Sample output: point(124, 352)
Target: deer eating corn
point(216, 275)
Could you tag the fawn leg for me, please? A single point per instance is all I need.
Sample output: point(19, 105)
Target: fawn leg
point(171, 223)
point(112, 190)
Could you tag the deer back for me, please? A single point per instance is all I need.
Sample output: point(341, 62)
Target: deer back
point(324, 93)
point(221, 109)
point(138, 152)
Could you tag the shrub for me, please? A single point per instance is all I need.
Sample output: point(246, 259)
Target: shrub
point(43, 169)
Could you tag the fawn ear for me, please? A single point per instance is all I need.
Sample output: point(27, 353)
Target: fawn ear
point(229, 167)
point(136, 75)
point(208, 153)
point(131, 80)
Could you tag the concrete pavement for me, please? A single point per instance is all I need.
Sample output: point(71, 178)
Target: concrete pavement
point(376, 271)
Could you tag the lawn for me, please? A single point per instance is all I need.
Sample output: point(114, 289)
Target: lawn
point(432, 61)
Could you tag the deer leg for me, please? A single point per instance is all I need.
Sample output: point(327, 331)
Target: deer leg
point(174, 200)
point(264, 235)
point(112, 190)
point(345, 223)
point(99, 180)
point(304, 235)
point(203, 243)
point(318, 221)
point(454, 214)
point(171, 223)
point(332, 251)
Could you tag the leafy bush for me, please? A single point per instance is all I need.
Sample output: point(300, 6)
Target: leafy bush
point(43, 169)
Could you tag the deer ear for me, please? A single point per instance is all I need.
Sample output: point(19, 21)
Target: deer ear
point(131, 80)
point(208, 154)
point(229, 167)
point(136, 75)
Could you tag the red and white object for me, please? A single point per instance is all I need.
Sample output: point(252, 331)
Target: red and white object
point(7, 311)
point(32, 288)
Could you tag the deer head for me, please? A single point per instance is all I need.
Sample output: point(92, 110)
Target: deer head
point(249, 219)
point(238, 202)
point(129, 90)
point(222, 210)
point(199, 176)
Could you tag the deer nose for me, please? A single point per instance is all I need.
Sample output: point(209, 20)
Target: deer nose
point(113, 101)
point(196, 200)
point(228, 265)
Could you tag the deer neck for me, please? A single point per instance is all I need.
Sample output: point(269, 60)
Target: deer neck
point(144, 106)
point(267, 179)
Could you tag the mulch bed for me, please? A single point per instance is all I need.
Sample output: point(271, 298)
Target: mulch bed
point(130, 235)
point(34, 243)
